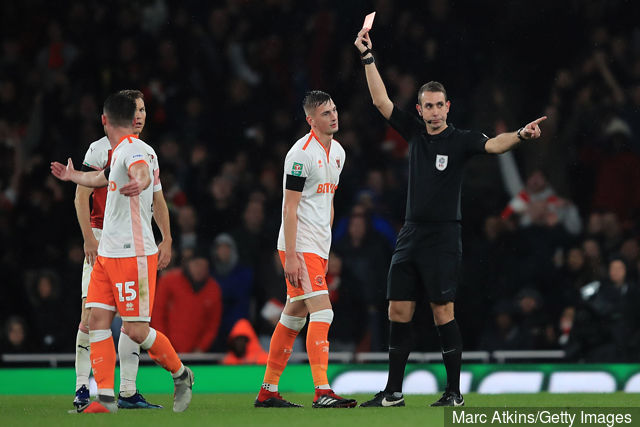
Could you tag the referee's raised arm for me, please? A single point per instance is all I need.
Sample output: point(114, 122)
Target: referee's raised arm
point(377, 89)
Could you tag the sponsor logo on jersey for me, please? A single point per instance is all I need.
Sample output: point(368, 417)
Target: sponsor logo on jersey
point(441, 162)
point(296, 170)
point(327, 187)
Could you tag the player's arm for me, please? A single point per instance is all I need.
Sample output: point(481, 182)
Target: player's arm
point(81, 203)
point(139, 179)
point(377, 89)
point(161, 216)
point(94, 179)
point(292, 267)
point(508, 140)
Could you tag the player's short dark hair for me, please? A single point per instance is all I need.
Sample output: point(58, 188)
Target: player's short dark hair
point(120, 109)
point(132, 93)
point(432, 86)
point(314, 99)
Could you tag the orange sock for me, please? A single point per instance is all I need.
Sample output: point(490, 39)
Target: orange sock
point(318, 351)
point(103, 359)
point(163, 354)
point(279, 353)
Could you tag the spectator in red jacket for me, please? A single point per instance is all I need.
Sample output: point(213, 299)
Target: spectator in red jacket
point(188, 305)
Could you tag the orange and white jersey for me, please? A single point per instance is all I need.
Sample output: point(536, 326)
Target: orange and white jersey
point(127, 230)
point(320, 169)
point(97, 158)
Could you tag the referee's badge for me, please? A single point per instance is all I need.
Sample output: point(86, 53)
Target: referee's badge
point(441, 162)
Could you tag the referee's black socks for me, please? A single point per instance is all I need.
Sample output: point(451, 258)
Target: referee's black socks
point(451, 343)
point(400, 344)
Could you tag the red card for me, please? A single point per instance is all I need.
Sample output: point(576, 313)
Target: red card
point(368, 20)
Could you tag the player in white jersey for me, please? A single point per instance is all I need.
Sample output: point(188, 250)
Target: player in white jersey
point(124, 273)
point(311, 174)
point(91, 218)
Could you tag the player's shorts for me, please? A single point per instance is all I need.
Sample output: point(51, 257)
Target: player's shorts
point(125, 285)
point(426, 262)
point(313, 281)
point(87, 268)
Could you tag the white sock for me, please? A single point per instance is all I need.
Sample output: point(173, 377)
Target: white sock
point(83, 360)
point(323, 387)
point(178, 372)
point(270, 387)
point(129, 353)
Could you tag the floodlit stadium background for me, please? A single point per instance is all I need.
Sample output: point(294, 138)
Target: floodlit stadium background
point(223, 82)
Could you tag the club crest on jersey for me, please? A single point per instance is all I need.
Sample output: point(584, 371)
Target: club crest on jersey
point(338, 162)
point(441, 162)
point(296, 170)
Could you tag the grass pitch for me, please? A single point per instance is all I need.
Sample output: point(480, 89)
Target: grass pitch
point(238, 410)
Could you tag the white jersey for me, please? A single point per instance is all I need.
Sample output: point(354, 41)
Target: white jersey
point(127, 230)
point(98, 157)
point(321, 169)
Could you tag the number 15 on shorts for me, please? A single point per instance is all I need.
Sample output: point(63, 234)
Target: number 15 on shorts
point(129, 293)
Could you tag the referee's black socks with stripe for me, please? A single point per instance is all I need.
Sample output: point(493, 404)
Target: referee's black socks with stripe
point(451, 343)
point(400, 345)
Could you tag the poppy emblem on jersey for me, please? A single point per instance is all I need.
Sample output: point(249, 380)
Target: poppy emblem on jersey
point(338, 162)
point(319, 280)
point(296, 170)
point(441, 162)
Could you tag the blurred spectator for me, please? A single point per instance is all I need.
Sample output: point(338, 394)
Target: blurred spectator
point(236, 282)
point(15, 336)
point(188, 305)
point(606, 327)
point(536, 327)
point(538, 191)
point(244, 347)
point(250, 236)
point(48, 320)
point(503, 332)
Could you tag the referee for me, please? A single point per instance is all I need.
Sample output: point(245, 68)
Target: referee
point(426, 260)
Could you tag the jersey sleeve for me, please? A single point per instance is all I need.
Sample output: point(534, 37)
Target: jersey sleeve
point(155, 166)
point(133, 156)
point(95, 159)
point(297, 166)
point(474, 143)
point(406, 124)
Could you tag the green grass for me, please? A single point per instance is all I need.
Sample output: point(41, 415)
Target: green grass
point(237, 410)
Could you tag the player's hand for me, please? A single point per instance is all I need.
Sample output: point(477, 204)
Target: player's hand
point(61, 171)
point(91, 250)
point(293, 271)
point(164, 254)
point(132, 188)
point(532, 130)
point(363, 41)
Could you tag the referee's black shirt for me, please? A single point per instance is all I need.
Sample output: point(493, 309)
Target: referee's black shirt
point(436, 164)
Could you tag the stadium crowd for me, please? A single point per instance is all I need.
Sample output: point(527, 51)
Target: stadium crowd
point(551, 242)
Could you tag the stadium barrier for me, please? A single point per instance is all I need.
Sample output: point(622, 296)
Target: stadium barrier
point(64, 359)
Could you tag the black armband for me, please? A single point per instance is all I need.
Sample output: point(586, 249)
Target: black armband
point(107, 171)
point(85, 168)
point(295, 183)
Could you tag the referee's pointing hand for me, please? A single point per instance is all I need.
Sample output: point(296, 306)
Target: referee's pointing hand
point(532, 130)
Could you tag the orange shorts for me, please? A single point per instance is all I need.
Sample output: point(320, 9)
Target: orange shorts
point(127, 285)
point(313, 282)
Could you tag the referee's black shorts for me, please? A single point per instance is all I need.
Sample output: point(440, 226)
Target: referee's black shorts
point(426, 262)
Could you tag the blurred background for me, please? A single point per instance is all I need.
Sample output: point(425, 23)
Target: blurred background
point(550, 231)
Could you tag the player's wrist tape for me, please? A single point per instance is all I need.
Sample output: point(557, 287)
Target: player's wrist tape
point(369, 60)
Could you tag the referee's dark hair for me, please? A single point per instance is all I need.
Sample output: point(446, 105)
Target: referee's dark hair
point(432, 86)
point(314, 99)
point(120, 109)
